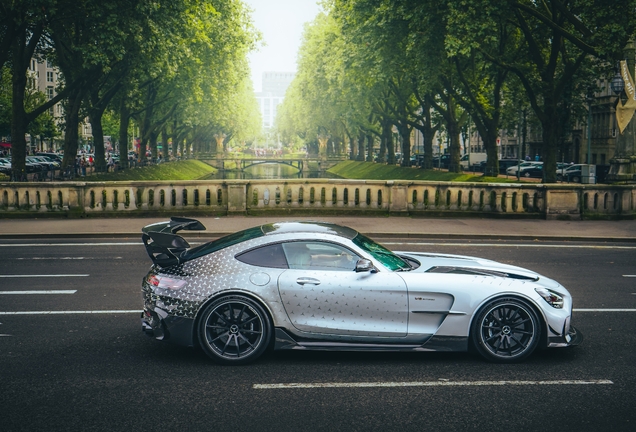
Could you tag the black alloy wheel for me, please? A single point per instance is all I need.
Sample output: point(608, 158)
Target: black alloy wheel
point(506, 331)
point(234, 330)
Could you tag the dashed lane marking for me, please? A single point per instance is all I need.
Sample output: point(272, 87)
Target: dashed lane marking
point(39, 292)
point(70, 312)
point(42, 276)
point(64, 258)
point(441, 383)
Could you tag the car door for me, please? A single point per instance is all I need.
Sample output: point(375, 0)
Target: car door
point(322, 293)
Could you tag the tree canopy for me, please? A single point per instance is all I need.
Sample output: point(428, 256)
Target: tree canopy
point(368, 66)
point(176, 68)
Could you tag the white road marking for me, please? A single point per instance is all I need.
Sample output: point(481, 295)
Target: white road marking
point(5, 335)
point(603, 310)
point(528, 245)
point(70, 312)
point(630, 276)
point(38, 276)
point(40, 292)
point(428, 384)
point(65, 258)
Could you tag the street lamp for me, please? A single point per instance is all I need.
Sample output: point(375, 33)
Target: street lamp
point(617, 84)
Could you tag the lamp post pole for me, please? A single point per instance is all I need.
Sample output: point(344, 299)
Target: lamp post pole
point(589, 130)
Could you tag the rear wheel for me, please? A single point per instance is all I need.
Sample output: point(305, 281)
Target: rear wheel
point(576, 179)
point(506, 331)
point(234, 330)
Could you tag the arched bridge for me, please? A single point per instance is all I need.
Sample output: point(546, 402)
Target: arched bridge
point(301, 164)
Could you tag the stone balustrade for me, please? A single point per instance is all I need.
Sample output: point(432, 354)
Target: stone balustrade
point(318, 196)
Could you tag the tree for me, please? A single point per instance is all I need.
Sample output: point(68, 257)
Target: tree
point(557, 41)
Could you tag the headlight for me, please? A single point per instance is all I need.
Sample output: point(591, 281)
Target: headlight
point(554, 299)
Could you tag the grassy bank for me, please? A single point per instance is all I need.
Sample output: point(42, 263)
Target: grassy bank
point(375, 171)
point(182, 170)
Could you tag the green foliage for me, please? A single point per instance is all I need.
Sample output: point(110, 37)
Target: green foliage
point(183, 170)
point(374, 171)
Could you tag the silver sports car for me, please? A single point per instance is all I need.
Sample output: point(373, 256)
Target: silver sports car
point(320, 286)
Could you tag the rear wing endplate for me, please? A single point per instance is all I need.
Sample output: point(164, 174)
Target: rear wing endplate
point(163, 246)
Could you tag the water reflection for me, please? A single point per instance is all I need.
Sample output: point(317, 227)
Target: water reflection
point(268, 171)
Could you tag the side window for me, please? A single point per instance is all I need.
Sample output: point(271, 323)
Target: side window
point(266, 256)
point(319, 256)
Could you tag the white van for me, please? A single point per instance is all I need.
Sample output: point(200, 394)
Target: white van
point(470, 159)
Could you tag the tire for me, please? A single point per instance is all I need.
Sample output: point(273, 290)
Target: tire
point(526, 174)
point(576, 179)
point(506, 330)
point(234, 330)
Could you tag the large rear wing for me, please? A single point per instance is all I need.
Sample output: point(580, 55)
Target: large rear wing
point(164, 247)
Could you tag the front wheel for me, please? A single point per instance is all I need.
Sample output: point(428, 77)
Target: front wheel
point(234, 330)
point(506, 331)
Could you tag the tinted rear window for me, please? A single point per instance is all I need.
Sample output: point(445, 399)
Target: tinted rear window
point(223, 242)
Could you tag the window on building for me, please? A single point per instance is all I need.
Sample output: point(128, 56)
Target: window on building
point(603, 159)
point(49, 76)
point(49, 92)
point(593, 158)
point(49, 64)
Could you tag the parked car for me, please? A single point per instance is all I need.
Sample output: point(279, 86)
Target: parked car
point(320, 286)
point(442, 161)
point(471, 159)
point(506, 163)
point(512, 171)
point(51, 155)
point(565, 171)
point(535, 171)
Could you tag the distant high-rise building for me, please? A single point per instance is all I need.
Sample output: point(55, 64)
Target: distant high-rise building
point(274, 87)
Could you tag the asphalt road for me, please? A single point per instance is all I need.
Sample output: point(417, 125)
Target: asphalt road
point(99, 372)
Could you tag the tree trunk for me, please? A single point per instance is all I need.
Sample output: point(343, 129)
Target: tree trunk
point(370, 141)
point(124, 122)
point(95, 119)
point(387, 139)
point(71, 135)
point(19, 122)
point(360, 156)
point(405, 133)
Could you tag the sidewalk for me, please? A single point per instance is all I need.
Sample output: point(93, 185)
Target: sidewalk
point(398, 227)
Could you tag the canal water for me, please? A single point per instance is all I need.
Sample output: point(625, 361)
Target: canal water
point(268, 171)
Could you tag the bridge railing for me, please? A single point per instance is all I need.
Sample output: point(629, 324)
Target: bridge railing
point(318, 196)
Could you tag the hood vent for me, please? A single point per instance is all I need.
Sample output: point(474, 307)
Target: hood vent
point(479, 272)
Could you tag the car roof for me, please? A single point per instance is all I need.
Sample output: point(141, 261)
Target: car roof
point(308, 227)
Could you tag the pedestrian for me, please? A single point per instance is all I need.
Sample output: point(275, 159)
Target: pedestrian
point(83, 166)
point(536, 157)
point(110, 163)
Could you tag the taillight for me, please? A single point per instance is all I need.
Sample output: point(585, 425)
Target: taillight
point(165, 282)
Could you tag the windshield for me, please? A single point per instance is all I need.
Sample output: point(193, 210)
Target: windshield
point(387, 258)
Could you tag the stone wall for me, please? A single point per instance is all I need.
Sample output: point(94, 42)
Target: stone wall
point(316, 197)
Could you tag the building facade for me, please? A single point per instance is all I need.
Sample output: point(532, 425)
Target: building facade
point(273, 92)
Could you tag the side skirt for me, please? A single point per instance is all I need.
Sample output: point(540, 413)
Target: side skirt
point(284, 341)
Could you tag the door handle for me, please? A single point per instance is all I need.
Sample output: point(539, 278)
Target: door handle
point(307, 280)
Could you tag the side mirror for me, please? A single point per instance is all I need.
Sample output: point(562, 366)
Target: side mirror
point(364, 265)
